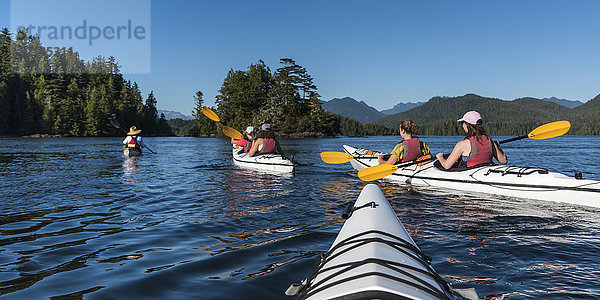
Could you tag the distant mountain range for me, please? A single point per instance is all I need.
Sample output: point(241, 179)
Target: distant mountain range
point(348, 107)
point(362, 112)
point(401, 107)
point(169, 114)
point(500, 116)
point(564, 102)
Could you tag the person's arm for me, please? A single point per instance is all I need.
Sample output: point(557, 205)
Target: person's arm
point(392, 160)
point(139, 141)
point(254, 147)
point(458, 150)
point(394, 157)
point(241, 143)
point(500, 155)
point(126, 140)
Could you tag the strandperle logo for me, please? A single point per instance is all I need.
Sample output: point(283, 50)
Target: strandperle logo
point(89, 32)
point(102, 28)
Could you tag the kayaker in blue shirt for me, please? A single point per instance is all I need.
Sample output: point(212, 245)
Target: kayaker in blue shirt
point(410, 148)
point(477, 147)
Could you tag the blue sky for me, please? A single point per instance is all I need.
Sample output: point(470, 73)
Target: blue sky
point(380, 52)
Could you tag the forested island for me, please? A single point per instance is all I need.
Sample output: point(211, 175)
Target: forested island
point(60, 94)
point(286, 98)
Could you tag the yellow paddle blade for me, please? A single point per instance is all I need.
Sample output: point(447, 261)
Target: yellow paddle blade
point(232, 133)
point(336, 157)
point(376, 172)
point(550, 130)
point(210, 114)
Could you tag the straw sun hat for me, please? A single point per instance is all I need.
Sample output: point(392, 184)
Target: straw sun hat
point(134, 131)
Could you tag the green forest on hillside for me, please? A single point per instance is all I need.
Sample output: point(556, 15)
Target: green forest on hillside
point(61, 94)
point(438, 116)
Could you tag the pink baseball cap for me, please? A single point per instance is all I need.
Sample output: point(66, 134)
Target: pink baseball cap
point(472, 117)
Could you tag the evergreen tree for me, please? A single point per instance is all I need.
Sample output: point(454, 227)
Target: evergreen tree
point(150, 114)
point(93, 112)
point(243, 93)
point(70, 113)
point(198, 104)
point(163, 126)
point(42, 97)
point(5, 79)
point(202, 126)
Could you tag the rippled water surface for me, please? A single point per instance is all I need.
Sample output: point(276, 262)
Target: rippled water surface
point(78, 219)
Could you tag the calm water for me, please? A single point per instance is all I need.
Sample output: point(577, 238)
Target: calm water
point(79, 219)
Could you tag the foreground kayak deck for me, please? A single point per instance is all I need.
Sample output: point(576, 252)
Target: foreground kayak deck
point(373, 257)
point(271, 163)
point(512, 181)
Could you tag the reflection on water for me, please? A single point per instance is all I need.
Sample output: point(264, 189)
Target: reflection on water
point(271, 267)
point(78, 219)
point(130, 167)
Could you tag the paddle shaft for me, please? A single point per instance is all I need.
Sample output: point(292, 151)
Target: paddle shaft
point(149, 149)
point(513, 139)
point(116, 124)
point(371, 156)
point(434, 158)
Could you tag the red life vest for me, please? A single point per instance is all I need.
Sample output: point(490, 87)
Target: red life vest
point(480, 151)
point(412, 150)
point(133, 142)
point(244, 143)
point(268, 146)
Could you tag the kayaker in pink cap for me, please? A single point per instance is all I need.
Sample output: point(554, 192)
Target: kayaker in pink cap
point(476, 149)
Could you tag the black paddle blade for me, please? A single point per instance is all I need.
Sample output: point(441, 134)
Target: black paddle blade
point(114, 123)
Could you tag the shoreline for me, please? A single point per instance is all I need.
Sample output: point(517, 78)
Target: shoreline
point(310, 135)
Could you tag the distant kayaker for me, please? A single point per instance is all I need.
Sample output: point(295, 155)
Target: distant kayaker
point(410, 148)
point(246, 142)
point(477, 148)
point(133, 140)
point(266, 142)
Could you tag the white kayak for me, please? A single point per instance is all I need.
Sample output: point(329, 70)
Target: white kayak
point(373, 257)
point(271, 163)
point(512, 181)
point(132, 151)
